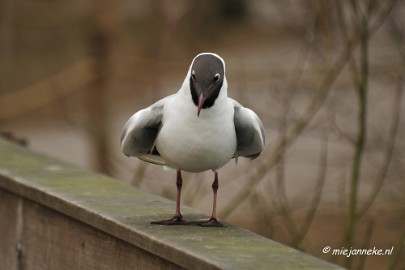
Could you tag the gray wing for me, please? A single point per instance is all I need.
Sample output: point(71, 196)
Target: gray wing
point(249, 132)
point(140, 132)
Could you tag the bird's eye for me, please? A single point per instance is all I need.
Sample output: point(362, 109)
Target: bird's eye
point(216, 77)
point(193, 75)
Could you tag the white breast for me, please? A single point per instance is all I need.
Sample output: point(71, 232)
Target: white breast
point(197, 144)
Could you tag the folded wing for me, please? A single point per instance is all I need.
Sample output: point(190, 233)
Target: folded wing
point(140, 132)
point(249, 132)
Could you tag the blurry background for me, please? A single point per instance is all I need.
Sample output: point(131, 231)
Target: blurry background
point(326, 78)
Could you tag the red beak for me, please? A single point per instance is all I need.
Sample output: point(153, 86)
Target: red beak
point(201, 100)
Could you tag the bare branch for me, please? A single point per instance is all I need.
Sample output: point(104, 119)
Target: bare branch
point(362, 90)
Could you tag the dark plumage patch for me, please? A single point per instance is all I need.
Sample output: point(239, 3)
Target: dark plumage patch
point(207, 77)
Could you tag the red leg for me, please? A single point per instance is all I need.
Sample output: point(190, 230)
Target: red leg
point(179, 184)
point(177, 219)
point(213, 222)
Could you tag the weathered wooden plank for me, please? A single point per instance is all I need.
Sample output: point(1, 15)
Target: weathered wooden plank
point(10, 228)
point(51, 240)
point(125, 213)
point(56, 241)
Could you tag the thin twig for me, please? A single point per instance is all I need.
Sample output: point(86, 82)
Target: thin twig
point(362, 89)
point(398, 36)
point(366, 29)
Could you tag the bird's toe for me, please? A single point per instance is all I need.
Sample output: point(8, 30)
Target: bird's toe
point(213, 222)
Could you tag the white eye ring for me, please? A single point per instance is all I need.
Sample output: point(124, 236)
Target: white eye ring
point(193, 74)
point(216, 77)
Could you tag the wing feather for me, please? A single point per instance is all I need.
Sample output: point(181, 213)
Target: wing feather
point(140, 132)
point(249, 132)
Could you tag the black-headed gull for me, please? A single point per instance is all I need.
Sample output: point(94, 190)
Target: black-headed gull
point(197, 129)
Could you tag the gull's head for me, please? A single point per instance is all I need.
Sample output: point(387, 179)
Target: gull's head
point(207, 74)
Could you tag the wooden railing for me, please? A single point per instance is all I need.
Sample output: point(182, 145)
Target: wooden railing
point(57, 216)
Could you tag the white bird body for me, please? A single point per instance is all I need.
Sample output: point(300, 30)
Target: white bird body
point(196, 143)
point(197, 129)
